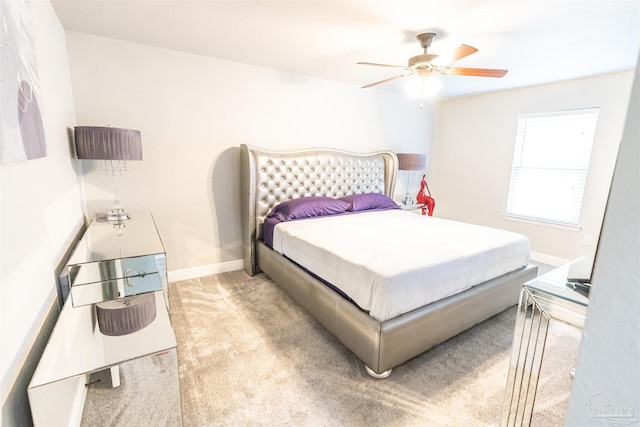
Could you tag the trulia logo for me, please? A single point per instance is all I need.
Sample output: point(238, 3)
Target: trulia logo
point(608, 412)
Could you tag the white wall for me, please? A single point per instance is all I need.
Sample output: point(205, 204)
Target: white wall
point(40, 207)
point(194, 112)
point(608, 368)
point(473, 153)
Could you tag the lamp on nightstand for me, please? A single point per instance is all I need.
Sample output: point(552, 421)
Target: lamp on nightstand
point(410, 162)
point(113, 144)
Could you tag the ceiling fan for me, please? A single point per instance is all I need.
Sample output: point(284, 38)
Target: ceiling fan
point(426, 64)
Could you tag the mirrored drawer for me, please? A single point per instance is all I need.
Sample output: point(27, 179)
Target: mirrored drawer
point(113, 269)
point(117, 260)
point(131, 284)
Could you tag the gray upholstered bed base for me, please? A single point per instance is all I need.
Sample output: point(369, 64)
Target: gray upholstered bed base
point(380, 345)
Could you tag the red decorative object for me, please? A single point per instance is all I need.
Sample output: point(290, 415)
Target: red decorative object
point(424, 198)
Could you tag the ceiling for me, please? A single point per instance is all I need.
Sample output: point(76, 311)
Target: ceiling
point(538, 41)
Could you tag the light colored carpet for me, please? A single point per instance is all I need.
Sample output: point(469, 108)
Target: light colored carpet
point(148, 394)
point(249, 355)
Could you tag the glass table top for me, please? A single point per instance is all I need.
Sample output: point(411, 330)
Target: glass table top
point(77, 346)
point(555, 283)
point(105, 241)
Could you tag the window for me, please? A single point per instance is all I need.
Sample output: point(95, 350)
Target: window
point(550, 166)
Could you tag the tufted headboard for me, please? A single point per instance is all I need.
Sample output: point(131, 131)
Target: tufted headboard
point(271, 177)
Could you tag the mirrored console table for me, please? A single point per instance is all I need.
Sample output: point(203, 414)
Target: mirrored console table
point(543, 298)
point(111, 261)
point(116, 260)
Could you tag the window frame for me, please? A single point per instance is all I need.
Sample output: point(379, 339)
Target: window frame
point(579, 171)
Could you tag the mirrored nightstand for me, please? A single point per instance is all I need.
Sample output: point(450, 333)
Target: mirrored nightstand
point(546, 297)
point(110, 261)
point(116, 260)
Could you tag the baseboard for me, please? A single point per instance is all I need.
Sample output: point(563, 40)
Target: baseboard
point(205, 270)
point(548, 259)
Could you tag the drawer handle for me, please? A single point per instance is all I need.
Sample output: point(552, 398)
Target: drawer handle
point(127, 275)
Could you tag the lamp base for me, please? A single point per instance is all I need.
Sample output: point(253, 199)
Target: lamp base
point(118, 215)
point(407, 200)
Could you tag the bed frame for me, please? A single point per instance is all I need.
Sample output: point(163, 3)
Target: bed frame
point(272, 177)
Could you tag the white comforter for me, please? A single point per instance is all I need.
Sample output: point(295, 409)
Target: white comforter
point(391, 262)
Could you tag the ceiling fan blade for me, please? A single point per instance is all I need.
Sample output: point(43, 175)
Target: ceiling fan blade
point(480, 72)
point(455, 54)
point(382, 65)
point(385, 80)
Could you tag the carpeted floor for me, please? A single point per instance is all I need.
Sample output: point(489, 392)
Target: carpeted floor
point(249, 355)
point(148, 394)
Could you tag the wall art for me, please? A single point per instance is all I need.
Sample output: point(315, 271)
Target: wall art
point(21, 127)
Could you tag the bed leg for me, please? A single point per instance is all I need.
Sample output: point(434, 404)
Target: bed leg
point(379, 376)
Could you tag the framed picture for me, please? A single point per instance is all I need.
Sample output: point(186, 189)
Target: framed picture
point(21, 127)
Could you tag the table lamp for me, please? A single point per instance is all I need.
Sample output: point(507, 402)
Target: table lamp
point(113, 144)
point(410, 162)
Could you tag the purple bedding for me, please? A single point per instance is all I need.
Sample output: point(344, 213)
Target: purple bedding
point(313, 207)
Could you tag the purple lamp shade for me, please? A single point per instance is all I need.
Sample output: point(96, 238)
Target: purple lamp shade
point(107, 143)
point(411, 162)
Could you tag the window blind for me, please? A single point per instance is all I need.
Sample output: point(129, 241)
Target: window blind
point(550, 165)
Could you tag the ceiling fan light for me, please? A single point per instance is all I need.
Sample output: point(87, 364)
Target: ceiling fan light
point(423, 87)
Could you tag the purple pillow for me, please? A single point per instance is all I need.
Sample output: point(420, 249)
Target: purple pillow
point(307, 207)
point(366, 201)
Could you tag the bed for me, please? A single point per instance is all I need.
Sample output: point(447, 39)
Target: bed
point(381, 339)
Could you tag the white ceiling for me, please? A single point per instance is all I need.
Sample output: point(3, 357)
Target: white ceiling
point(539, 41)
